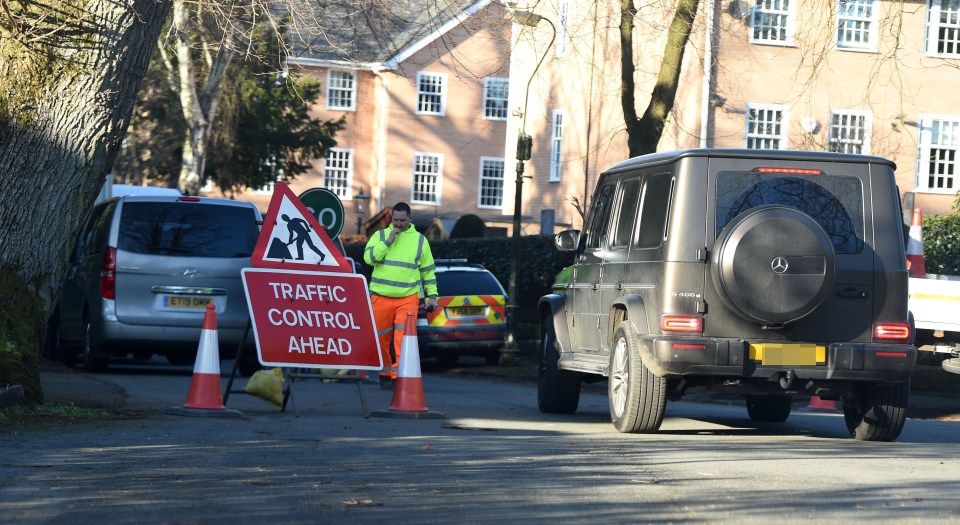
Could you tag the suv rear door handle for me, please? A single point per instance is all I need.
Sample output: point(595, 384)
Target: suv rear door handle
point(852, 293)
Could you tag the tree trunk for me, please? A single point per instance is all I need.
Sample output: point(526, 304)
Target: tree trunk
point(644, 134)
point(628, 70)
point(74, 68)
point(199, 110)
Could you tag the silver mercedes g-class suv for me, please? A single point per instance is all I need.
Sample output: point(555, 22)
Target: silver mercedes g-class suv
point(771, 274)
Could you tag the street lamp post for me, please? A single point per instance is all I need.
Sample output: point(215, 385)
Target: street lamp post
point(524, 146)
point(360, 202)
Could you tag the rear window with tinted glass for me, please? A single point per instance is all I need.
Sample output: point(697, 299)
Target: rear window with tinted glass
point(835, 202)
point(467, 283)
point(187, 229)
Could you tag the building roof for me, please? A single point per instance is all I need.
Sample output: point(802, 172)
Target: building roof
point(375, 34)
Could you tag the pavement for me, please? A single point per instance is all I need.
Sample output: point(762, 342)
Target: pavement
point(70, 386)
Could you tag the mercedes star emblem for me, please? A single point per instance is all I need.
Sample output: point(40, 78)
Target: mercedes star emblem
point(779, 265)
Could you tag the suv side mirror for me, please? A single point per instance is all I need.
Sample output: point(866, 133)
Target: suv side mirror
point(567, 240)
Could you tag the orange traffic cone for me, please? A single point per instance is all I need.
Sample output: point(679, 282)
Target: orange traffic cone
point(818, 403)
point(915, 246)
point(408, 391)
point(204, 397)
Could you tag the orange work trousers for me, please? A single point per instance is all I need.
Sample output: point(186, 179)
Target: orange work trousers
point(390, 314)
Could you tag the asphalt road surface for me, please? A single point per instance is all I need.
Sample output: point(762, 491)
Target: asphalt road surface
point(494, 458)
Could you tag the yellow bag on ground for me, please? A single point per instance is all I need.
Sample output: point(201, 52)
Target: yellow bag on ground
point(267, 385)
point(333, 372)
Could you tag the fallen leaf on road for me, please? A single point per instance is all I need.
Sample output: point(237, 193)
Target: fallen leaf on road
point(361, 503)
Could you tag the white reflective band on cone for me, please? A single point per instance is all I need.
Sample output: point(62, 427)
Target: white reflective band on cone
point(409, 366)
point(208, 354)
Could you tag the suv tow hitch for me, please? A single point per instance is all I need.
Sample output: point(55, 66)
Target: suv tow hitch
point(787, 380)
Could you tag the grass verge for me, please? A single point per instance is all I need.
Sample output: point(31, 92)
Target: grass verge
point(20, 413)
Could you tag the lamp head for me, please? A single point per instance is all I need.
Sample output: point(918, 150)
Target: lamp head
point(526, 18)
point(360, 202)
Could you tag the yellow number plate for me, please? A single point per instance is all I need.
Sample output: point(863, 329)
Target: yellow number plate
point(177, 301)
point(798, 354)
point(464, 311)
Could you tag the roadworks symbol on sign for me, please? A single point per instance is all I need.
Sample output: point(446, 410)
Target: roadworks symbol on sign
point(292, 238)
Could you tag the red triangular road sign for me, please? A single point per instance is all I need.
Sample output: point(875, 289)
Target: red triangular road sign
point(292, 239)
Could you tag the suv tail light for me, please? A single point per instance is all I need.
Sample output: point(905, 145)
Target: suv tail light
point(891, 332)
point(108, 274)
point(681, 323)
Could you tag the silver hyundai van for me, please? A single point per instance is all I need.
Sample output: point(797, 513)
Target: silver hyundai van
point(142, 273)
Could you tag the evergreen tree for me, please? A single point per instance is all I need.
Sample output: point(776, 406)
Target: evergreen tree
point(265, 132)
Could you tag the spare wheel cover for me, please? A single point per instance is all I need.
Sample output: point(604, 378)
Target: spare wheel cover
point(773, 264)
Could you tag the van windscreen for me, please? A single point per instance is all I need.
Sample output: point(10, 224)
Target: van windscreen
point(835, 202)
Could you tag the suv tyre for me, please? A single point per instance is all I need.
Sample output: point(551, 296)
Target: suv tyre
point(769, 409)
point(558, 391)
point(876, 412)
point(637, 397)
point(773, 248)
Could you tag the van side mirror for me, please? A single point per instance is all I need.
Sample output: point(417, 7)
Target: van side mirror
point(567, 240)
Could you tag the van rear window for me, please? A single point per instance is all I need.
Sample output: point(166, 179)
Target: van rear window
point(187, 229)
point(835, 202)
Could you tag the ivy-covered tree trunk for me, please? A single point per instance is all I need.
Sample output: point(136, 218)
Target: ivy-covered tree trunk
point(70, 71)
point(644, 134)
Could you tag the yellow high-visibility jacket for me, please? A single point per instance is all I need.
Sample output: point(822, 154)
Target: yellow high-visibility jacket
point(399, 268)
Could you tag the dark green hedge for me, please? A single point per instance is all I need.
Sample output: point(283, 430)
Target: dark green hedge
point(941, 244)
point(539, 261)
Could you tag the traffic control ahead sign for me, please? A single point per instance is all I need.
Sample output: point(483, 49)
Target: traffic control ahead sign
point(312, 319)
